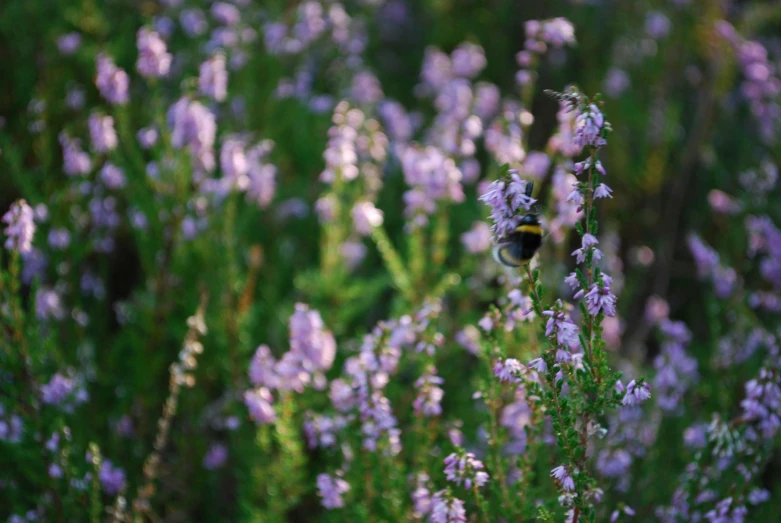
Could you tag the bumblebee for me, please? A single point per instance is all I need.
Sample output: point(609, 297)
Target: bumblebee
point(518, 247)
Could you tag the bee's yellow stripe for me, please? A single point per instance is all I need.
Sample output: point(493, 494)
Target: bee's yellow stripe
point(532, 229)
point(504, 256)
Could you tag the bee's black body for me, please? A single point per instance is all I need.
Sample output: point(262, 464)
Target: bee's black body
point(519, 247)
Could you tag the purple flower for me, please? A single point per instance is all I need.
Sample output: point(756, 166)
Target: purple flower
point(599, 299)
point(636, 393)
point(59, 389)
point(366, 217)
point(478, 239)
point(259, 403)
point(366, 89)
point(75, 160)
point(762, 404)
point(147, 137)
point(112, 176)
point(557, 32)
point(616, 82)
point(428, 401)
point(111, 81)
point(722, 203)
point(55, 471)
point(154, 61)
point(539, 365)
point(102, 133)
point(194, 126)
point(446, 509)
point(588, 127)
point(560, 324)
point(213, 78)
point(261, 369)
point(705, 257)
point(310, 340)
point(69, 43)
point(353, 253)
point(465, 468)
point(421, 496)
point(20, 227)
point(48, 304)
point(225, 13)
point(193, 22)
point(603, 191)
point(74, 98)
point(59, 238)
point(216, 457)
point(468, 60)
point(331, 488)
point(563, 476)
point(657, 25)
point(509, 369)
point(111, 478)
point(506, 197)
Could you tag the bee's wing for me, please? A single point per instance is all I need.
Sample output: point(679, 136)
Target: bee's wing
point(508, 254)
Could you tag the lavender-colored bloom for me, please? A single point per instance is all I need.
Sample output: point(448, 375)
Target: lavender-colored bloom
point(429, 399)
point(446, 509)
point(111, 81)
point(225, 13)
point(616, 82)
point(657, 25)
point(562, 326)
point(506, 197)
point(722, 203)
point(310, 340)
point(74, 98)
point(193, 125)
point(509, 369)
point(599, 299)
point(557, 32)
point(213, 78)
point(57, 390)
point(478, 239)
point(59, 238)
point(193, 22)
point(705, 257)
point(55, 471)
point(69, 43)
point(588, 127)
point(216, 457)
point(331, 488)
point(465, 468)
point(366, 218)
point(636, 393)
point(48, 304)
point(762, 404)
point(261, 369)
point(259, 403)
point(564, 477)
point(366, 89)
point(603, 191)
point(147, 137)
point(112, 478)
point(326, 207)
point(468, 60)
point(656, 310)
point(75, 160)
point(20, 227)
point(154, 61)
point(102, 133)
point(112, 176)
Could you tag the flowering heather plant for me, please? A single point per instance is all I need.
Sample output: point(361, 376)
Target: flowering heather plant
point(322, 185)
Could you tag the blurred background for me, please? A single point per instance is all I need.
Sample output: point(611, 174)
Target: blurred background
point(691, 88)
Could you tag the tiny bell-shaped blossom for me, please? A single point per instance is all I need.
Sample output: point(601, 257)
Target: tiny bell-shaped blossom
point(112, 82)
point(465, 468)
point(20, 227)
point(446, 509)
point(154, 61)
point(213, 78)
point(331, 488)
point(366, 217)
point(636, 393)
point(102, 133)
point(564, 478)
point(508, 370)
